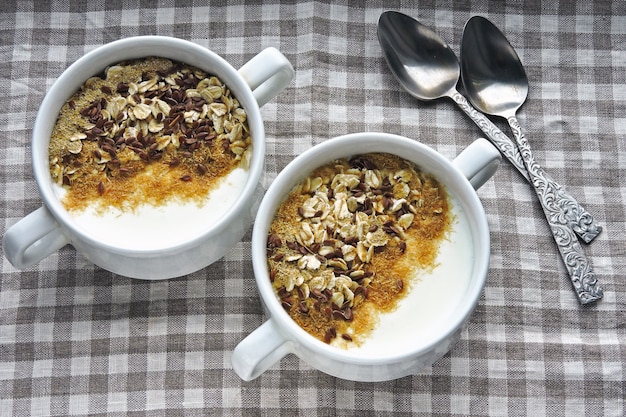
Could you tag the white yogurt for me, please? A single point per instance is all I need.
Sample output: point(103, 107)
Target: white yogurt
point(155, 227)
point(432, 298)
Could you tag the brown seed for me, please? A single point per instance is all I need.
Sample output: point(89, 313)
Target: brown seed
point(122, 88)
point(365, 292)
point(333, 332)
point(396, 230)
point(400, 284)
point(301, 294)
point(186, 178)
point(347, 337)
point(316, 293)
point(279, 257)
point(201, 169)
point(174, 162)
point(100, 188)
point(274, 241)
point(303, 307)
point(108, 148)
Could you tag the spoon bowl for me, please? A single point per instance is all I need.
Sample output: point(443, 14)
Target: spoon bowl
point(493, 75)
point(419, 59)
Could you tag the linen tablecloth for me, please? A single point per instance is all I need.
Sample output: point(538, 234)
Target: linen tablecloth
point(76, 339)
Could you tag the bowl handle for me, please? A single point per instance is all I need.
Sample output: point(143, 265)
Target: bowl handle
point(33, 238)
point(478, 162)
point(259, 350)
point(267, 74)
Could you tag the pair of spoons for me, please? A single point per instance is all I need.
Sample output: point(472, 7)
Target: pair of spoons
point(496, 84)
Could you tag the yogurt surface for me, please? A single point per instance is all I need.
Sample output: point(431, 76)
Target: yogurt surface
point(432, 298)
point(155, 227)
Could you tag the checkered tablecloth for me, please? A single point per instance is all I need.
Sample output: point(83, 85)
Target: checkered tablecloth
point(77, 340)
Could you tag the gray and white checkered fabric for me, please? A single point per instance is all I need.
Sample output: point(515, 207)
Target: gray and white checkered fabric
point(77, 340)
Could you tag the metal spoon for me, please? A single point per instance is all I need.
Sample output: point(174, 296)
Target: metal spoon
point(428, 69)
point(496, 83)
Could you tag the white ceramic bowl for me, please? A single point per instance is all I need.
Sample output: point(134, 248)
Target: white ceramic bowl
point(49, 228)
point(280, 335)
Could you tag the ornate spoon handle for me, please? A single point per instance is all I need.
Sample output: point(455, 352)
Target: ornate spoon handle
point(569, 210)
point(577, 264)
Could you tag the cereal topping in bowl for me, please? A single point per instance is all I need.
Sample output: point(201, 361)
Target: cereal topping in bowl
point(345, 244)
point(148, 131)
